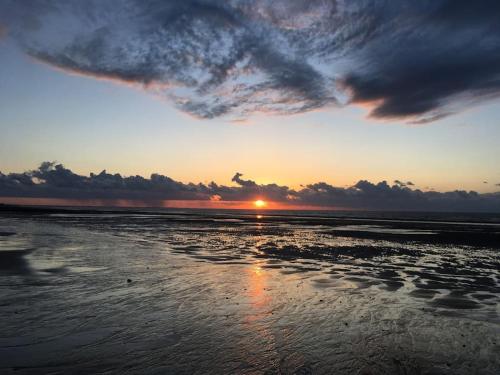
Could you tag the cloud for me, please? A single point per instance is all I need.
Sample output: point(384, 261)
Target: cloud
point(416, 60)
point(403, 184)
point(52, 180)
point(441, 55)
point(244, 183)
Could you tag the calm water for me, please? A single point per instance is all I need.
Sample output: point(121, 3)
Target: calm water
point(218, 292)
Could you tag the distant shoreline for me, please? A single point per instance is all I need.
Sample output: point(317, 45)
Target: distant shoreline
point(383, 216)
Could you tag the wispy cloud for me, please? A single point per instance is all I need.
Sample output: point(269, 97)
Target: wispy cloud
point(416, 60)
point(52, 180)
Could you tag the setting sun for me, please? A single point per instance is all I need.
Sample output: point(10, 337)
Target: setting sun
point(260, 203)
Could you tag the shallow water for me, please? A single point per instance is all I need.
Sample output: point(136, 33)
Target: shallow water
point(208, 293)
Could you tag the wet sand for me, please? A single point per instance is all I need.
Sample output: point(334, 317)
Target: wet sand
point(115, 292)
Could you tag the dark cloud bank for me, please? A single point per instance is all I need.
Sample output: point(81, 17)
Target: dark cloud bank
point(417, 60)
point(53, 180)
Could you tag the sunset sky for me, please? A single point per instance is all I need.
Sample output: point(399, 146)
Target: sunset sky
point(337, 93)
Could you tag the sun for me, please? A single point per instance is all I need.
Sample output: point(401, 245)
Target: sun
point(259, 203)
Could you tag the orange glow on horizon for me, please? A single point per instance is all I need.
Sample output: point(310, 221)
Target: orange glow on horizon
point(194, 204)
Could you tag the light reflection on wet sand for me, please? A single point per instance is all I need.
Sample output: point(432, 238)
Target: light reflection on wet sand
point(238, 297)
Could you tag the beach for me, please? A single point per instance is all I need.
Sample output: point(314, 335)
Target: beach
point(193, 292)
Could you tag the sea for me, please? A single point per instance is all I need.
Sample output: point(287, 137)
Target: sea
point(156, 291)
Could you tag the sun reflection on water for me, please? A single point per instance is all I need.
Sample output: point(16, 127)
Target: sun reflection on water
point(257, 282)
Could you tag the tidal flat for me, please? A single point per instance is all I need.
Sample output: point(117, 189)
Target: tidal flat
point(157, 292)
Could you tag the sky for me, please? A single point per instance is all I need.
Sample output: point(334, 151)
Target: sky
point(290, 93)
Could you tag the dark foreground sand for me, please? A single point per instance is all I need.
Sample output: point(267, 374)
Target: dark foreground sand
point(128, 293)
